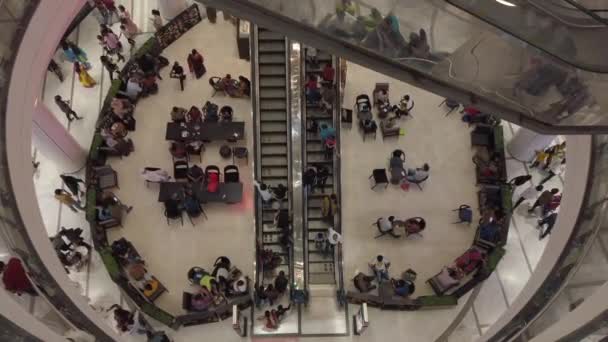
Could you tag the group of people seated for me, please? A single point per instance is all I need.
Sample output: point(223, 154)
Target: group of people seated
point(411, 226)
point(215, 288)
point(402, 287)
point(464, 265)
point(135, 268)
point(74, 253)
point(210, 112)
point(399, 173)
point(230, 86)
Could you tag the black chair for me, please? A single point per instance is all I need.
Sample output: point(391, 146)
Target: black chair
point(231, 174)
point(240, 153)
point(180, 169)
point(179, 151)
point(198, 151)
point(195, 174)
point(465, 214)
point(451, 104)
point(173, 212)
point(226, 113)
point(187, 301)
point(380, 177)
point(371, 128)
point(418, 182)
point(194, 212)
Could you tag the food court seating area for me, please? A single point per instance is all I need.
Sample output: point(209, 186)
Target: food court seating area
point(187, 137)
point(478, 261)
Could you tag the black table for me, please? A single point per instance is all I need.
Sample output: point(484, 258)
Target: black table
point(207, 131)
point(227, 192)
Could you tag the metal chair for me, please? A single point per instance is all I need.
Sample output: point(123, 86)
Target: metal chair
point(173, 212)
point(180, 169)
point(240, 153)
point(106, 177)
point(380, 177)
point(465, 214)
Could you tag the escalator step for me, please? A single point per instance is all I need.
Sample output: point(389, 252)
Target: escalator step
point(273, 115)
point(271, 46)
point(273, 104)
point(276, 70)
point(271, 81)
point(269, 35)
point(271, 58)
point(274, 93)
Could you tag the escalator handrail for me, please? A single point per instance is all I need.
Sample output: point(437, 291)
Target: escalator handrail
point(257, 151)
point(564, 21)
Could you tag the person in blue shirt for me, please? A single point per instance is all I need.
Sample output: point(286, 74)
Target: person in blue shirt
point(327, 132)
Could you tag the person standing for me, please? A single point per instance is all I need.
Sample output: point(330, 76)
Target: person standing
point(109, 66)
point(196, 64)
point(178, 72)
point(528, 194)
point(73, 184)
point(124, 31)
point(81, 56)
point(83, 76)
point(125, 19)
point(112, 44)
point(54, 68)
point(544, 199)
point(554, 170)
point(64, 106)
point(548, 220)
point(157, 20)
point(65, 198)
point(333, 238)
point(15, 278)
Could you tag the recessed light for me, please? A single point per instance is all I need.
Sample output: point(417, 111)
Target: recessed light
point(506, 3)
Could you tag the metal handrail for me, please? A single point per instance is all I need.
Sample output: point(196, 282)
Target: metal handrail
point(562, 20)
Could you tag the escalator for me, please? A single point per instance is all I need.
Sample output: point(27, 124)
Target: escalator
point(441, 48)
point(272, 140)
point(321, 264)
point(323, 261)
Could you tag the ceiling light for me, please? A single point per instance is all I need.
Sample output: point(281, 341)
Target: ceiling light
point(506, 3)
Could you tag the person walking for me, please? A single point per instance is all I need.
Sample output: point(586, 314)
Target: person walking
point(54, 68)
point(64, 106)
point(125, 19)
point(15, 278)
point(554, 170)
point(112, 43)
point(528, 194)
point(65, 198)
point(520, 180)
point(548, 220)
point(178, 72)
point(109, 66)
point(73, 184)
point(544, 199)
point(83, 76)
point(157, 20)
point(124, 31)
point(196, 64)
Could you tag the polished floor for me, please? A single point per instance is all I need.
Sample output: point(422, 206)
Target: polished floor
point(170, 251)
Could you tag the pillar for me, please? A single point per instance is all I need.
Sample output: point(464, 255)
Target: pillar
point(53, 140)
point(525, 143)
point(169, 9)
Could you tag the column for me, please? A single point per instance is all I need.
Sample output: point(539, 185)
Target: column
point(53, 140)
point(169, 9)
point(525, 143)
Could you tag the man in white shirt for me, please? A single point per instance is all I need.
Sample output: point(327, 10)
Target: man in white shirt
point(264, 191)
point(528, 194)
point(380, 267)
point(386, 226)
point(418, 174)
point(333, 238)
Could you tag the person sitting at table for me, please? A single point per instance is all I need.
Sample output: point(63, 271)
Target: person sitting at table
point(414, 225)
point(418, 174)
point(403, 288)
point(192, 204)
point(386, 225)
point(121, 107)
point(194, 115)
point(178, 150)
point(108, 198)
point(211, 112)
point(202, 300)
point(397, 168)
point(104, 213)
point(178, 114)
point(155, 175)
point(244, 86)
point(363, 282)
point(118, 130)
point(195, 173)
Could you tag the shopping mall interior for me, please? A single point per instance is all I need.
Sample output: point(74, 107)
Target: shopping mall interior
point(307, 148)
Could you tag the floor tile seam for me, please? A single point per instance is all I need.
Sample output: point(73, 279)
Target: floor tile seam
point(521, 245)
point(476, 317)
point(502, 288)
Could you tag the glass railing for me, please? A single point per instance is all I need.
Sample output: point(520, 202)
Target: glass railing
point(562, 28)
point(438, 47)
point(15, 16)
point(594, 331)
point(572, 264)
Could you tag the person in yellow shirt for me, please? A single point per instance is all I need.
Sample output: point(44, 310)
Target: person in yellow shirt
point(65, 198)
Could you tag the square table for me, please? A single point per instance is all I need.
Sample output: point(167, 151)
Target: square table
point(227, 192)
point(205, 131)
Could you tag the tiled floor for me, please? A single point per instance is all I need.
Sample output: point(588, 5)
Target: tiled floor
point(170, 251)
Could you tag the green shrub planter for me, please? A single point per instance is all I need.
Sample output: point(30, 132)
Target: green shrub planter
point(436, 302)
point(158, 314)
point(494, 258)
point(91, 204)
point(499, 139)
point(110, 262)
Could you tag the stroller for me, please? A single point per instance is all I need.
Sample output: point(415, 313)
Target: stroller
point(363, 106)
